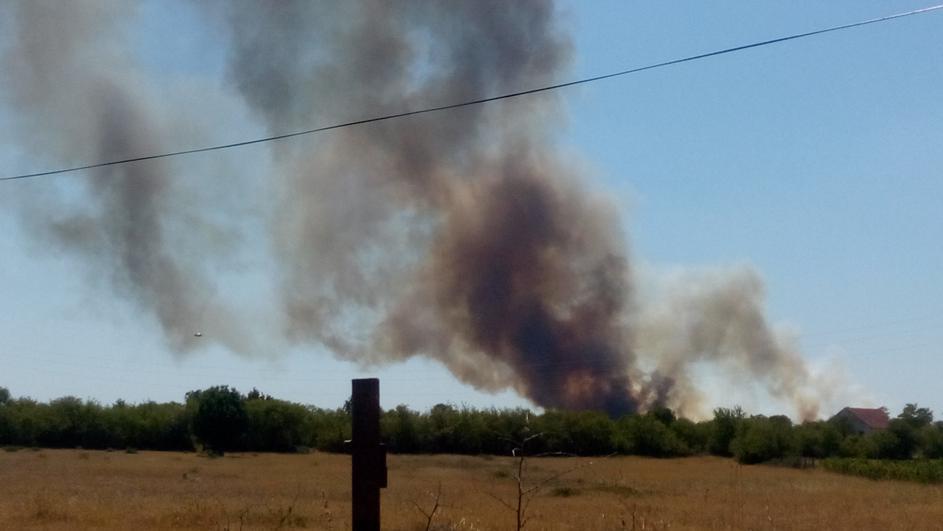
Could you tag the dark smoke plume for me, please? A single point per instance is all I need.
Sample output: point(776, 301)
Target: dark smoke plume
point(463, 236)
point(518, 268)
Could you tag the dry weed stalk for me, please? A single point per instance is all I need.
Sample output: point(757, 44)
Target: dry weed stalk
point(526, 493)
point(430, 515)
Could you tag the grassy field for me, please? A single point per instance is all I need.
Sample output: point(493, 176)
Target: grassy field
point(77, 489)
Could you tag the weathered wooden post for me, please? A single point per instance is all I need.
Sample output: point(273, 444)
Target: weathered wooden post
point(368, 455)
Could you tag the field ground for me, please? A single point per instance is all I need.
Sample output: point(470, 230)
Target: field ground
point(79, 489)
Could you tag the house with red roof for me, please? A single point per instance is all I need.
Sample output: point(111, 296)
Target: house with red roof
point(863, 420)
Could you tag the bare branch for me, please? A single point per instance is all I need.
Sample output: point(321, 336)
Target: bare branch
point(430, 516)
point(504, 503)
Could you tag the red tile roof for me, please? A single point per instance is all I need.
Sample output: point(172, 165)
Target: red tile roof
point(875, 418)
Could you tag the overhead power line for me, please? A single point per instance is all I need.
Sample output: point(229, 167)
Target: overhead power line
point(468, 103)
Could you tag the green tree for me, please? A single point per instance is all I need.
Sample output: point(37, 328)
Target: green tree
point(590, 433)
point(277, 426)
point(218, 418)
point(818, 439)
point(573, 432)
point(906, 440)
point(400, 427)
point(442, 435)
point(932, 441)
point(646, 435)
point(71, 422)
point(664, 415)
point(917, 417)
point(471, 428)
point(331, 427)
point(724, 429)
point(693, 436)
point(761, 439)
point(7, 433)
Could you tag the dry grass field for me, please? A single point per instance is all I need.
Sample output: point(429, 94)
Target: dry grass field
point(78, 489)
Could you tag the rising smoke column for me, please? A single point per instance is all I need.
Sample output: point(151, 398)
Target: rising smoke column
point(463, 236)
point(506, 270)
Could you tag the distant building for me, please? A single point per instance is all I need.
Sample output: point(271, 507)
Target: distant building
point(863, 420)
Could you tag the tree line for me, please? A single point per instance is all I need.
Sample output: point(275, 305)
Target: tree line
point(220, 419)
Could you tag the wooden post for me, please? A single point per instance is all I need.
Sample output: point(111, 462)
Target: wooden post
point(368, 455)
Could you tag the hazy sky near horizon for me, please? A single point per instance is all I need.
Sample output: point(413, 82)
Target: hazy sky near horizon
point(817, 162)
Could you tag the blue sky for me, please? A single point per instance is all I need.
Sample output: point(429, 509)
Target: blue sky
point(816, 161)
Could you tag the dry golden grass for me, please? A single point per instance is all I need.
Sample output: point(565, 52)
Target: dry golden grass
point(80, 489)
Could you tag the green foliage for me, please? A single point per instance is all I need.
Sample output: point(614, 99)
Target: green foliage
point(916, 417)
point(905, 440)
point(663, 415)
point(330, 428)
point(277, 426)
point(646, 435)
point(149, 425)
point(923, 471)
point(69, 422)
point(218, 418)
point(817, 439)
point(401, 428)
point(762, 439)
point(843, 425)
point(7, 433)
point(572, 432)
point(693, 436)
point(932, 441)
point(723, 430)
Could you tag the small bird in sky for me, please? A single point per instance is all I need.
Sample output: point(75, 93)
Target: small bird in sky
point(198, 334)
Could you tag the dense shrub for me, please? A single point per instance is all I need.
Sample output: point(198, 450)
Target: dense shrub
point(922, 470)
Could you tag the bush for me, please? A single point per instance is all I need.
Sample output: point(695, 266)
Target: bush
point(923, 471)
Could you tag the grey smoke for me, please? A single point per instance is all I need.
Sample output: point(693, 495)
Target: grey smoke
point(461, 236)
point(77, 97)
point(718, 317)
